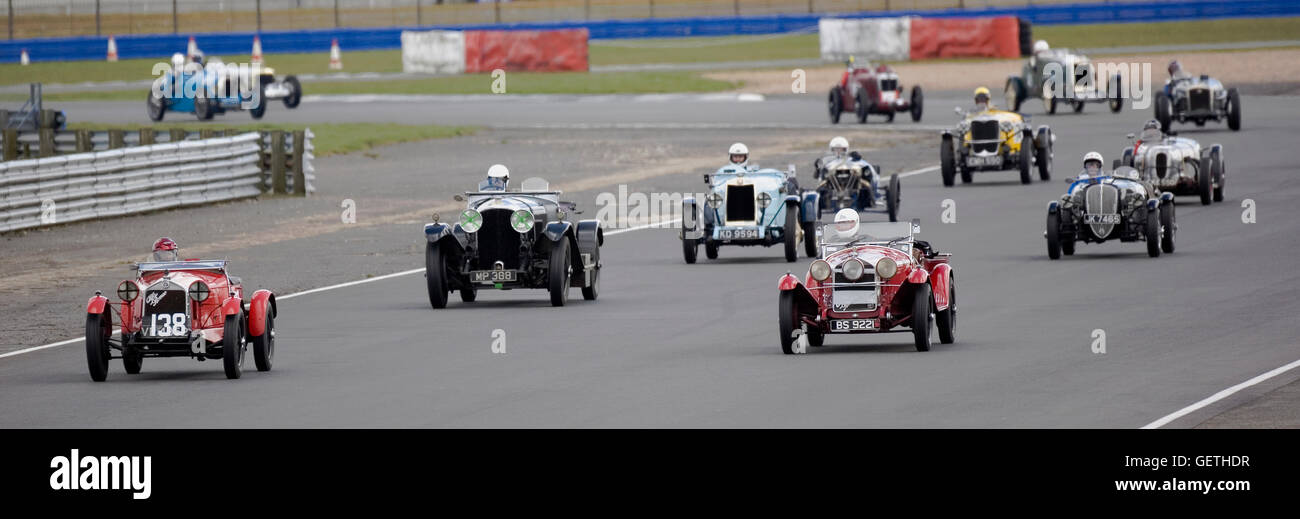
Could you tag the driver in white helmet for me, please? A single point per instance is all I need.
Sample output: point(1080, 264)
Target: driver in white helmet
point(1041, 50)
point(1092, 165)
point(738, 155)
point(840, 154)
point(498, 178)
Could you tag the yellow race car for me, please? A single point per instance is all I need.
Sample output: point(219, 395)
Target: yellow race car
point(988, 139)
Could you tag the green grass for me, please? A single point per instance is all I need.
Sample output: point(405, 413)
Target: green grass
point(330, 138)
point(1169, 33)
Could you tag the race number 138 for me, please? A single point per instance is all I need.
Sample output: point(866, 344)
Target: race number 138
point(167, 325)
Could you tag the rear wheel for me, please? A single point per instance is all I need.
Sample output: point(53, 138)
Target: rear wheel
point(295, 92)
point(1014, 93)
point(592, 291)
point(690, 248)
point(1153, 234)
point(791, 233)
point(967, 174)
point(99, 328)
point(1167, 227)
point(558, 271)
point(710, 249)
point(1234, 109)
point(947, 319)
point(1026, 160)
point(810, 239)
point(1054, 235)
point(469, 295)
point(435, 275)
point(788, 321)
point(835, 103)
point(1116, 94)
point(133, 361)
point(1163, 111)
point(155, 107)
point(893, 197)
point(918, 102)
point(258, 111)
point(862, 107)
point(1045, 156)
point(264, 345)
point(922, 319)
point(202, 107)
point(947, 163)
point(1220, 170)
point(232, 346)
point(1205, 180)
point(1077, 106)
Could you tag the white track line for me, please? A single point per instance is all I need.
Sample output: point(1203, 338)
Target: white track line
point(661, 224)
point(1220, 396)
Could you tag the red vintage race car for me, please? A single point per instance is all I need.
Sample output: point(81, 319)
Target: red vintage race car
point(870, 278)
point(872, 90)
point(182, 308)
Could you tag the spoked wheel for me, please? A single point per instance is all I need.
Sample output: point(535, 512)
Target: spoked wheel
point(1167, 226)
point(922, 319)
point(232, 346)
point(947, 319)
point(1044, 157)
point(264, 344)
point(1220, 168)
point(99, 329)
point(435, 275)
point(558, 272)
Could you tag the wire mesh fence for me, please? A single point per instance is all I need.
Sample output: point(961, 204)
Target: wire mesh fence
point(55, 18)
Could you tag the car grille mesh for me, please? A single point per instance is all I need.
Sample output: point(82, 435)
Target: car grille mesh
point(740, 203)
point(497, 241)
point(1199, 99)
point(162, 302)
point(888, 85)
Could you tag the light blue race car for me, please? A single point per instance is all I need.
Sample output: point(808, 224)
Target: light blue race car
point(207, 90)
point(750, 206)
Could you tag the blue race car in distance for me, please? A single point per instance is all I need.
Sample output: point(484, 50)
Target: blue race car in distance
point(206, 89)
point(749, 206)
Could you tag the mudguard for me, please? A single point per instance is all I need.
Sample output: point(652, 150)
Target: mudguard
point(1153, 204)
point(556, 230)
point(96, 305)
point(590, 233)
point(1054, 207)
point(918, 275)
point(1044, 138)
point(257, 311)
point(810, 201)
point(231, 307)
point(939, 285)
point(1166, 197)
point(439, 232)
point(803, 298)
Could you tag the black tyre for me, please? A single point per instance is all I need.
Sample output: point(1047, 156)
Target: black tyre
point(1220, 171)
point(791, 233)
point(590, 293)
point(133, 361)
point(1116, 101)
point(947, 163)
point(1163, 108)
point(893, 197)
point(469, 295)
point(1026, 160)
point(810, 239)
point(861, 107)
point(1205, 180)
point(1127, 158)
point(835, 103)
point(788, 321)
point(295, 92)
point(258, 111)
point(203, 107)
point(1014, 92)
point(1054, 235)
point(435, 275)
point(99, 329)
point(710, 249)
point(918, 103)
point(922, 320)
point(1167, 227)
point(1045, 156)
point(1049, 105)
point(1077, 106)
point(264, 345)
point(967, 174)
point(1234, 109)
point(1067, 244)
point(816, 338)
point(558, 271)
point(232, 346)
point(947, 319)
point(889, 117)
point(1153, 233)
point(690, 248)
point(155, 107)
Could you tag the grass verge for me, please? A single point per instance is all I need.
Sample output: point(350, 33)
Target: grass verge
point(330, 138)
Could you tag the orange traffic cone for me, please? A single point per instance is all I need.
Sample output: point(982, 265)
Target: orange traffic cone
point(24, 59)
point(112, 49)
point(336, 57)
point(257, 50)
point(191, 50)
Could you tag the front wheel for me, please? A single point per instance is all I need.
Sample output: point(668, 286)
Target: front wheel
point(1205, 180)
point(1163, 109)
point(435, 275)
point(155, 107)
point(918, 101)
point(893, 197)
point(835, 102)
point(947, 163)
point(947, 319)
point(1045, 156)
point(1026, 160)
point(1234, 109)
point(264, 345)
point(1153, 234)
point(99, 328)
point(710, 249)
point(1077, 106)
point(922, 320)
point(232, 346)
point(558, 272)
point(791, 233)
point(1220, 170)
point(1167, 228)
point(295, 92)
point(810, 239)
point(690, 249)
point(1054, 235)
point(862, 108)
point(592, 290)
point(788, 321)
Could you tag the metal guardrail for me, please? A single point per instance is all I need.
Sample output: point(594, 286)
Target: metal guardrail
point(128, 180)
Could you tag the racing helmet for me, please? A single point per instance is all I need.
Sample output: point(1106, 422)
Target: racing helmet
point(1092, 163)
point(982, 97)
point(178, 61)
point(165, 249)
point(738, 154)
point(1176, 69)
point(846, 223)
point(1151, 131)
point(1041, 46)
point(839, 147)
point(498, 177)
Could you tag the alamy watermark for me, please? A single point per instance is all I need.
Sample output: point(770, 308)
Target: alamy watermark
point(214, 80)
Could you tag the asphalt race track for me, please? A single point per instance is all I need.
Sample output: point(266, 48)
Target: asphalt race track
point(676, 345)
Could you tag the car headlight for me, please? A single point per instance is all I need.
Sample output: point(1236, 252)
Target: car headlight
point(127, 291)
point(853, 269)
point(886, 268)
point(199, 291)
point(764, 200)
point(714, 200)
point(521, 221)
point(820, 270)
point(1006, 126)
point(471, 220)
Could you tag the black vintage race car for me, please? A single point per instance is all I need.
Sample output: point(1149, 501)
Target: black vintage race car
point(1118, 206)
point(513, 239)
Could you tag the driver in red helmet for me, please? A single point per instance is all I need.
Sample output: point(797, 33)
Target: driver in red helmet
point(165, 249)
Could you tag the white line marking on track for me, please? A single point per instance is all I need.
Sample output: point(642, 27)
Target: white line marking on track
point(1220, 396)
